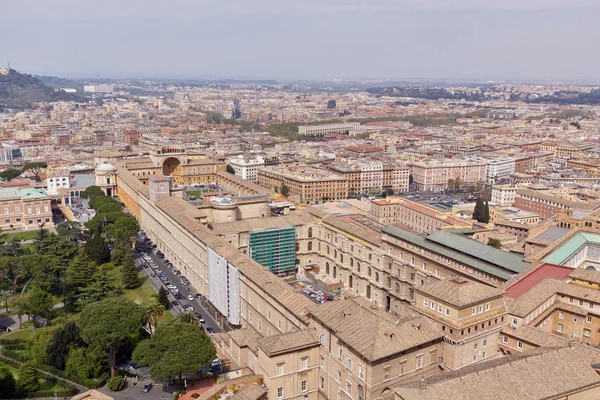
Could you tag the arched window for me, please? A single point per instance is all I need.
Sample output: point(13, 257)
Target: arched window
point(327, 249)
point(297, 246)
point(309, 232)
point(335, 271)
point(327, 268)
point(342, 258)
point(370, 271)
point(368, 291)
point(309, 246)
point(361, 393)
point(358, 267)
point(335, 254)
point(397, 287)
point(352, 262)
point(377, 276)
point(350, 281)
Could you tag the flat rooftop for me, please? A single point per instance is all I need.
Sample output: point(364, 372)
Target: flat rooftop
point(26, 193)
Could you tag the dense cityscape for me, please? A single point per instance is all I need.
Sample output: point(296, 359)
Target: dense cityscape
point(343, 239)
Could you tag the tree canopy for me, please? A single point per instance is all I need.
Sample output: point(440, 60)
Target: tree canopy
point(174, 350)
point(10, 174)
point(35, 167)
point(107, 323)
point(91, 192)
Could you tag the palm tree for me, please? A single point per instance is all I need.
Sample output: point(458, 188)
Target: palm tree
point(5, 295)
point(153, 314)
point(188, 317)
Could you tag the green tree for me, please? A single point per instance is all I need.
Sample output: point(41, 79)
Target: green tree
point(162, 298)
point(285, 191)
point(101, 287)
point(84, 362)
point(19, 272)
point(92, 192)
point(38, 303)
point(174, 350)
point(96, 249)
point(188, 317)
point(230, 169)
point(131, 277)
point(80, 273)
point(36, 168)
point(9, 174)
point(38, 345)
point(63, 339)
point(495, 243)
point(71, 230)
point(486, 212)
point(479, 211)
point(115, 383)
point(153, 314)
point(12, 249)
point(123, 229)
point(5, 295)
point(29, 378)
point(7, 382)
point(108, 323)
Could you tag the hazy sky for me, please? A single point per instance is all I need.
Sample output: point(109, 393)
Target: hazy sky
point(304, 39)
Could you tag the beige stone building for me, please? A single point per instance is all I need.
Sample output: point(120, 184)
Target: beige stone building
point(307, 183)
point(25, 208)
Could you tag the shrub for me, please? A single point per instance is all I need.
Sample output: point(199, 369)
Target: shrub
point(29, 378)
point(7, 381)
point(115, 383)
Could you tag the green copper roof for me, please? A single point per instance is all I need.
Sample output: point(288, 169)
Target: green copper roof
point(27, 193)
point(467, 251)
point(566, 250)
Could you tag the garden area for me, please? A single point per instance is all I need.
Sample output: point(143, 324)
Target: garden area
point(83, 310)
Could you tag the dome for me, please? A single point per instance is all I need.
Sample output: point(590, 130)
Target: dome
point(106, 167)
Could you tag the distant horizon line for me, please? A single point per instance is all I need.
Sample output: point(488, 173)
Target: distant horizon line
point(241, 78)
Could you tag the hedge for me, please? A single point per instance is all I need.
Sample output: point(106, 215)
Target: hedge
point(69, 390)
point(88, 383)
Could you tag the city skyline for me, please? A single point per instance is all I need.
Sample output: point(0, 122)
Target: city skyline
point(507, 41)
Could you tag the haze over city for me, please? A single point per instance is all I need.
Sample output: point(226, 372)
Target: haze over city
point(529, 40)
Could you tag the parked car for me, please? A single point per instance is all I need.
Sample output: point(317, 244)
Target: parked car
point(175, 303)
point(189, 308)
point(190, 297)
point(210, 331)
point(147, 387)
point(179, 296)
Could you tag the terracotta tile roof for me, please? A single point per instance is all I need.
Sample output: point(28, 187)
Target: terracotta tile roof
point(299, 218)
point(250, 392)
point(460, 292)
point(585, 275)
point(537, 374)
point(370, 333)
point(287, 342)
point(532, 299)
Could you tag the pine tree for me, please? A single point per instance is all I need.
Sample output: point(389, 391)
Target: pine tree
point(81, 273)
point(97, 249)
point(163, 297)
point(486, 212)
point(285, 191)
point(131, 279)
point(29, 379)
point(479, 211)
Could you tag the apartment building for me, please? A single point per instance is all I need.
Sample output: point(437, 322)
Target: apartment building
point(366, 176)
point(308, 184)
point(25, 208)
point(414, 216)
point(443, 254)
point(247, 167)
point(366, 352)
point(504, 195)
point(546, 205)
point(499, 169)
point(324, 129)
point(470, 314)
point(434, 175)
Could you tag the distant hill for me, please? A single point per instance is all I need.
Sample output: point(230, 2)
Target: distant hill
point(56, 82)
point(22, 90)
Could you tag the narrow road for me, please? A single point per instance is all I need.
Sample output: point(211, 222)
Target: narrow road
point(156, 283)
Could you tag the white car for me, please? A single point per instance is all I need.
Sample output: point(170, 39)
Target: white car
point(190, 297)
point(171, 286)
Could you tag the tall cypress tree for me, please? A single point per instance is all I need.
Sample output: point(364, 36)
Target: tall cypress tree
point(131, 279)
point(479, 211)
point(97, 249)
point(486, 212)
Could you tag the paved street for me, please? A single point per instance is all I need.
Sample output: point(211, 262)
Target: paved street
point(174, 279)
